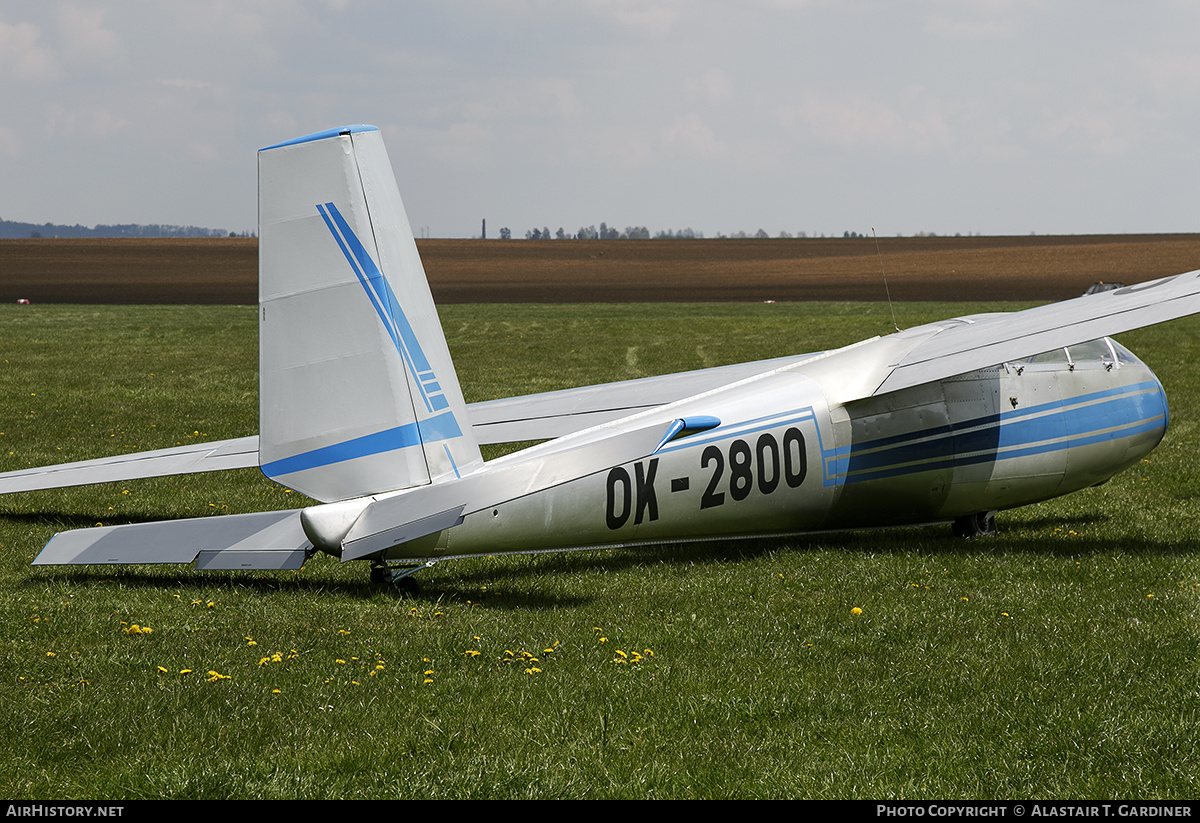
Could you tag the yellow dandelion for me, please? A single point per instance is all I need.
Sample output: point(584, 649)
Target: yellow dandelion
point(856, 611)
point(162, 669)
point(185, 671)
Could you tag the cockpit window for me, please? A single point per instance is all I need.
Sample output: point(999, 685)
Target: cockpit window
point(1124, 355)
point(1052, 356)
point(1102, 353)
point(1092, 351)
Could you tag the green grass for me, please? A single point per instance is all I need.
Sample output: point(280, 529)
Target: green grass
point(1057, 660)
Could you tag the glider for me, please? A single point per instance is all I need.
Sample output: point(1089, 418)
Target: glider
point(360, 409)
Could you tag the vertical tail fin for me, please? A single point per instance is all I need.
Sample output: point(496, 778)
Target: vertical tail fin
point(357, 391)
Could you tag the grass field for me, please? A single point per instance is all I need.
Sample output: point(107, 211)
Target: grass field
point(1057, 660)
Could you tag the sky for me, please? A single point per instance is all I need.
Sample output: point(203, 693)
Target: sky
point(985, 117)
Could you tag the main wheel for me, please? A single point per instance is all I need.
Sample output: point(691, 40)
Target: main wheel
point(407, 586)
point(982, 524)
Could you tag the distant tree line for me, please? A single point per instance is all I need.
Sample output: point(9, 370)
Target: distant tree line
point(11, 229)
point(606, 232)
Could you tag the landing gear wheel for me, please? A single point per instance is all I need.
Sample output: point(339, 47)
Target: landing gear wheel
point(380, 575)
point(982, 524)
point(398, 577)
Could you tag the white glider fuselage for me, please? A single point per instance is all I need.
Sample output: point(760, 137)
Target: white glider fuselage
point(784, 460)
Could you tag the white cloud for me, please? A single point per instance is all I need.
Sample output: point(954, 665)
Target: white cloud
point(655, 18)
point(939, 25)
point(23, 56)
point(912, 122)
point(1095, 132)
point(10, 143)
point(83, 123)
point(692, 135)
point(1172, 74)
point(715, 87)
point(83, 38)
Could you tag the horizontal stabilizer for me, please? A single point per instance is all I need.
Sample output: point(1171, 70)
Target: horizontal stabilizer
point(197, 457)
point(391, 521)
point(261, 559)
point(263, 540)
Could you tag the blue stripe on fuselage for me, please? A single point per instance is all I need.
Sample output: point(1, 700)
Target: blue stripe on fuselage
point(1061, 424)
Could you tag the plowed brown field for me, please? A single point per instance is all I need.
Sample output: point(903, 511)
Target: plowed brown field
point(571, 271)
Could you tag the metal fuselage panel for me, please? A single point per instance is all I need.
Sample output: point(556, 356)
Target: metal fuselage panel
point(760, 473)
point(785, 460)
point(994, 439)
